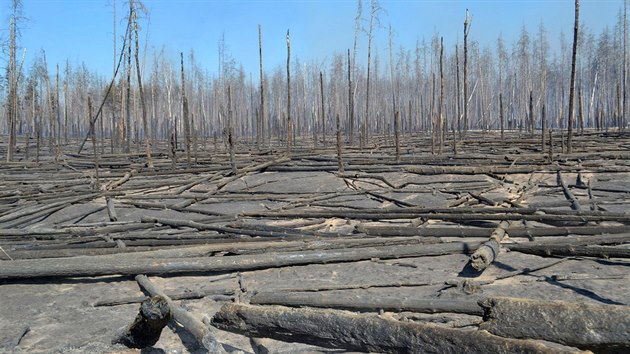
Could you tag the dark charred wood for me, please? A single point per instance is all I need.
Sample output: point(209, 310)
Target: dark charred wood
point(366, 302)
point(570, 250)
point(367, 333)
point(486, 232)
point(108, 265)
point(600, 328)
point(147, 327)
point(488, 251)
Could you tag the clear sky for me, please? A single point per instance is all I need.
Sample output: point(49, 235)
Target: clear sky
point(81, 30)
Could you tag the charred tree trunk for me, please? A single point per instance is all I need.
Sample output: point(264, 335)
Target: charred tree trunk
point(321, 88)
point(397, 134)
point(466, 30)
point(572, 85)
point(364, 333)
point(262, 115)
point(440, 127)
point(532, 119)
point(339, 146)
point(128, 93)
point(147, 327)
point(12, 73)
point(543, 124)
point(289, 122)
point(230, 132)
point(501, 116)
point(600, 328)
point(93, 135)
point(185, 112)
point(145, 123)
point(350, 102)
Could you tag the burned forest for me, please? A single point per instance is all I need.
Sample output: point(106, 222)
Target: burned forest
point(459, 195)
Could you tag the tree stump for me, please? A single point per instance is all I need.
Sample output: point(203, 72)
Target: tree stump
point(145, 330)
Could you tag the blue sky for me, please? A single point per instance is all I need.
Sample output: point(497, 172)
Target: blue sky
point(81, 30)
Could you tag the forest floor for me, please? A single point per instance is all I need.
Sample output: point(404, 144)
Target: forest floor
point(385, 238)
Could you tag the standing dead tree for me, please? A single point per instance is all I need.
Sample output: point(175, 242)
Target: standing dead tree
point(145, 123)
point(13, 82)
point(339, 146)
point(501, 117)
point(230, 132)
point(93, 135)
point(323, 117)
point(115, 135)
point(543, 127)
point(624, 109)
point(128, 87)
point(357, 26)
point(289, 123)
point(350, 101)
point(391, 72)
point(441, 124)
point(374, 9)
point(185, 112)
point(532, 119)
point(261, 116)
point(111, 84)
point(572, 86)
point(467, 25)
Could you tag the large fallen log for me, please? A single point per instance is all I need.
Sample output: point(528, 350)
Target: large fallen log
point(108, 265)
point(485, 210)
point(550, 250)
point(486, 232)
point(366, 333)
point(231, 246)
point(600, 328)
point(366, 302)
point(502, 170)
point(392, 214)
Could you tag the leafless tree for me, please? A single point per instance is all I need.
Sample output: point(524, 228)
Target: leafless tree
point(467, 25)
point(572, 89)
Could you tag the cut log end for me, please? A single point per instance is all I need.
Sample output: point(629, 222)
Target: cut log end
point(484, 255)
point(146, 329)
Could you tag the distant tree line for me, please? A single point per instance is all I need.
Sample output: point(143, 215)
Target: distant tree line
point(425, 85)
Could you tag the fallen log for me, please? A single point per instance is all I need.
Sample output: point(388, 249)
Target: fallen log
point(147, 327)
point(187, 295)
point(21, 213)
point(487, 252)
point(393, 214)
point(220, 229)
point(111, 211)
point(195, 327)
point(366, 302)
point(575, 205)
point(365, 333)
point(107, 265)
point(600, 328)
point(486, 232)
point(501, 170)
point(115, 184)
point(231, 246)
point(551, 250)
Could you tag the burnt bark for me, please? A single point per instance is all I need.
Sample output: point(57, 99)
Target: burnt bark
point(366, 333)
point(600, 328)
point(147, 327)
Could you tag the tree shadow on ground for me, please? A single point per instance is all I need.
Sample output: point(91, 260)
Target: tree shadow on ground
point(584, 292)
